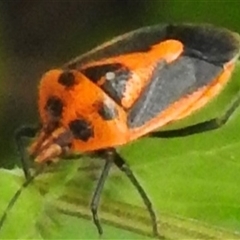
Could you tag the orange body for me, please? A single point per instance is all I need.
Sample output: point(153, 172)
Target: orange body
point(94, 104)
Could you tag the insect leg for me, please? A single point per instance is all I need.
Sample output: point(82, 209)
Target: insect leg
point(205, 126)
point(22, 132)
point(121, 164)
point(16, 196)
point(97, 195)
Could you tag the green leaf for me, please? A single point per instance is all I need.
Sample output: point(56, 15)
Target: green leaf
point(193, 183)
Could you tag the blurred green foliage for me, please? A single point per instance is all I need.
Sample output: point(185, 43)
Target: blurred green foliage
point(38, 35)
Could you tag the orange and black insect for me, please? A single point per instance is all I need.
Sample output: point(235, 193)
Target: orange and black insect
point(129, 88)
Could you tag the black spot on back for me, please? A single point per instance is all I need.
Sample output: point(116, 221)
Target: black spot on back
point(67, 79)
point(107, 111)
point(81, 129)
point(54, 107)
point(95, 73)
point(114, 87)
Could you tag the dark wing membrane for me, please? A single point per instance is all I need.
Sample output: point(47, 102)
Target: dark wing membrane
point(139, 40)
point(216, 45)
point(169, 84)
point(115, 87)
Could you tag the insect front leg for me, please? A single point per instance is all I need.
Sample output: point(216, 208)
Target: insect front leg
point(97, 194)
point(122, 165)
point(24, 132)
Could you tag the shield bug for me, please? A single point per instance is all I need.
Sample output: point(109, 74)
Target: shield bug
point(128, 88)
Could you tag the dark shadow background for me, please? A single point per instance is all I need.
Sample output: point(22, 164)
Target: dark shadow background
point(37, 35)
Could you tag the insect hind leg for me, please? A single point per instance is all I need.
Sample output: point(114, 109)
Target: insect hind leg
point(209, 125)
